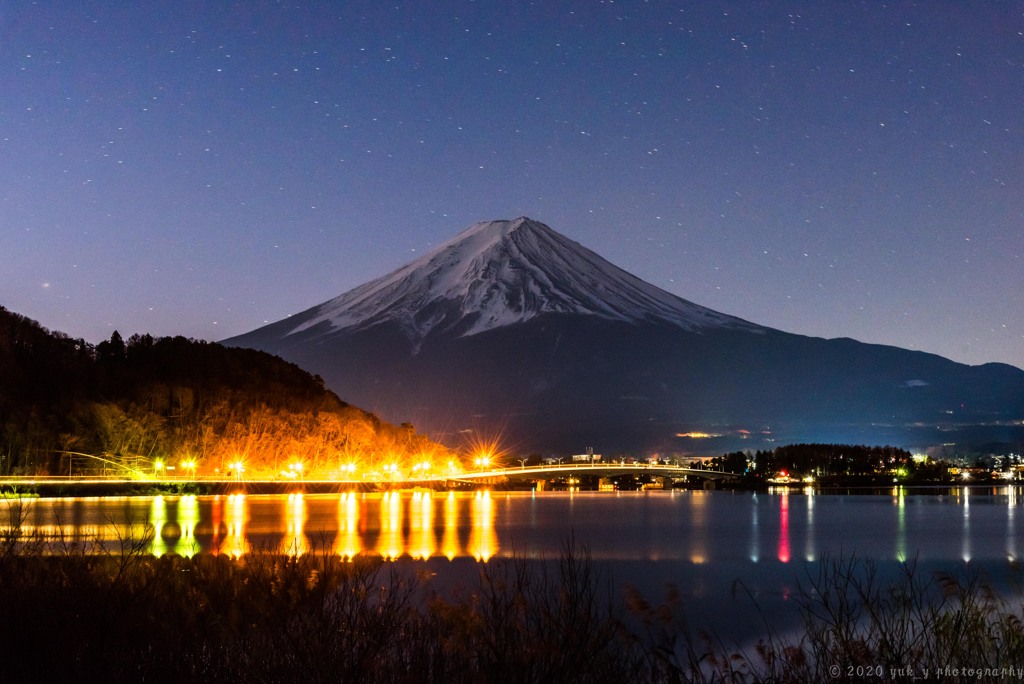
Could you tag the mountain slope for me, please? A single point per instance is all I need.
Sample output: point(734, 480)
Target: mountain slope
point(502, 273)
point(513, 328)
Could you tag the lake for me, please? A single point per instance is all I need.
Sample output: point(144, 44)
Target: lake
point(736, 558)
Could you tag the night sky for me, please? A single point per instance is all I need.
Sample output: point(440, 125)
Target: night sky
point(838, 169)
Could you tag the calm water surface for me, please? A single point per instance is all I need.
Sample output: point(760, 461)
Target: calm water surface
point(721, 550)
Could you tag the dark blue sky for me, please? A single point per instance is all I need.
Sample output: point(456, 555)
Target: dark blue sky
point(828, 168)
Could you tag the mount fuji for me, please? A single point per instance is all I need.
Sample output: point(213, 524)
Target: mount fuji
point(511, 329)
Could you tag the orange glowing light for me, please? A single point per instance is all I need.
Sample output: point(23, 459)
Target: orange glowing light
point(391, 543)
point(421, 524)
point(483, 542)
point(294, 543)
point(484, 452)
point(236, 516)
point(348, 543)
point(450, 540)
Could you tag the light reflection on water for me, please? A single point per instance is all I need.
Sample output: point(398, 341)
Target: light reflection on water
point(392, 524)
point(421, 524)
point(784, 527)
point(295, 523)
point(236, 517)
point(450, 540)
point(899, 499)
point(966, 536)
point(391, 543)
point(1011, 525)
point(483, 542)
point(690, 527)
point(347, 542)
point(809, 540)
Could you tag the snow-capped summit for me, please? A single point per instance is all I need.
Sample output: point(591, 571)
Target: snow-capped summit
point(499, 273)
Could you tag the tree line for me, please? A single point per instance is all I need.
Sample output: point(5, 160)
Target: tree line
point(817, 459)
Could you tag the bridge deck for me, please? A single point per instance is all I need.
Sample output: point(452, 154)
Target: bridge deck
point(542, 472)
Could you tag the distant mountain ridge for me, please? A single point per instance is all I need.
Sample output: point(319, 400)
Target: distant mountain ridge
point(511, 327)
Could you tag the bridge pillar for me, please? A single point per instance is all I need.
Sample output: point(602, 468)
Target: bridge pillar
point(709, 484)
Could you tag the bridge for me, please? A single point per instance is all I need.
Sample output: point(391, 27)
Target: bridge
point(589, 469)
point(134, 481)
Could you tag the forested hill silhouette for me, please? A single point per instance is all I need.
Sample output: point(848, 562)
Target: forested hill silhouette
point(146, 399)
